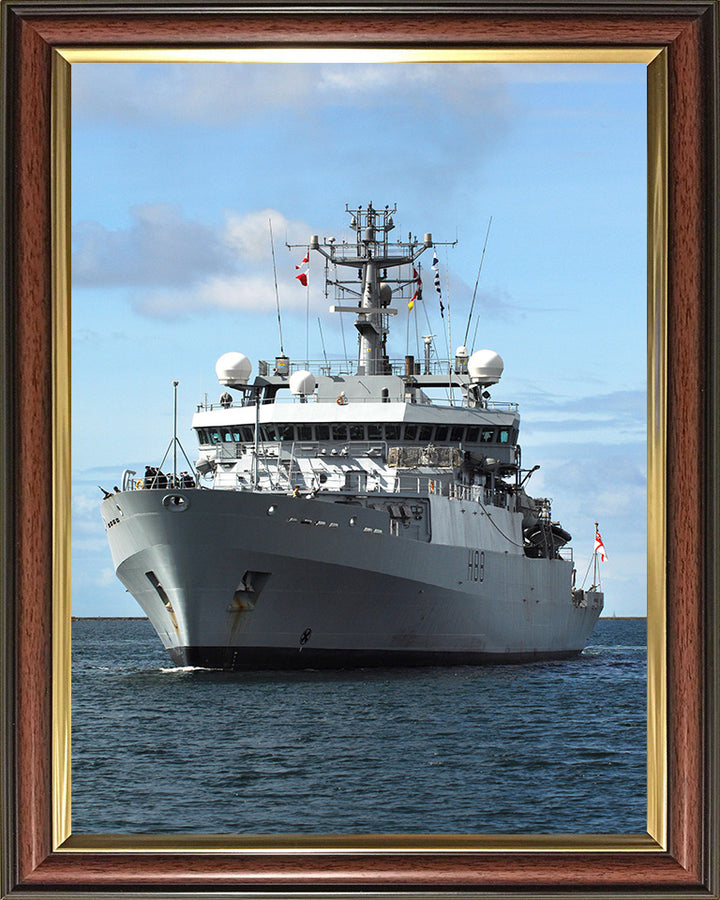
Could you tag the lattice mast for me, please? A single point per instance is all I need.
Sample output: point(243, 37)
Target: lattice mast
point(372, 254)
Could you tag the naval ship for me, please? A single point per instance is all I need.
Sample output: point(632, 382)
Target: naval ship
point(366, 513)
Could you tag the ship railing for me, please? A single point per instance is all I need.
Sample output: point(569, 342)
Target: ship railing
point(441, 487)
point(468, 493)
point(206, 406)
point(396, 366)
point(329, 367)
point(160, 481)
point(409, 484)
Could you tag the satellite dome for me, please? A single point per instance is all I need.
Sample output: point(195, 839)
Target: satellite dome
point(233, 368)
point(485, 367)
point(302, 382)
point(385, 294)
point(461, 351)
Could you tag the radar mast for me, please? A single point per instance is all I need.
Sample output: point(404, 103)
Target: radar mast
point(372, 254)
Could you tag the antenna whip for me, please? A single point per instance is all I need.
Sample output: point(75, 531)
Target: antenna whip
point(277, 293)
point(322, 339)
point(472, 305)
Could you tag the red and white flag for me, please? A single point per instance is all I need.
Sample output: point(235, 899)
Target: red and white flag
point(600, 547)
point(302, 277)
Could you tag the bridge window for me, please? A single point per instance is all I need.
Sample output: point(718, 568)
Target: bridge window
point(322, 432)
point(248, 433)
point(357, 432)
point(488, 435)
point(457, 433)
point(392, 432)
point(339, 432)
point(202, 436)
point(473, 433)
point(304, 432)
point(410, 433)
point(214, 436)
point(504, 435)
point(286, 432)
point(425, 433)
point(375, 432)
point(441, 433)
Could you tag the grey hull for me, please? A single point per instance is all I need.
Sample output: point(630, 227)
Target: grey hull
point(259, 658)
point(258, 580)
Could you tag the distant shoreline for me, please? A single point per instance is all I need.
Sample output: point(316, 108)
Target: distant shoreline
point(625, 618)
point(114, 618)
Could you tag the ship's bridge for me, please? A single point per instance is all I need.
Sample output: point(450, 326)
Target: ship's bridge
point(352, 426)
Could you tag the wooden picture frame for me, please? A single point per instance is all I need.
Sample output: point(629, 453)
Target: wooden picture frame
point(679, 857)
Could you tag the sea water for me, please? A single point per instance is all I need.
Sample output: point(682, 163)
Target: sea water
point(552, 747)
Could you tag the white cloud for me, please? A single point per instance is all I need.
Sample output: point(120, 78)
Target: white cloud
point(185, 267)
point(250, 293)
point(227, 93)
point(249, 233)
point(609, 419)
point(416, 84)
point(161, 246)
point(201, 93)
point(222, 94)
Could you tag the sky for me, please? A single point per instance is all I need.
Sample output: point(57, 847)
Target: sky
point(177, 170)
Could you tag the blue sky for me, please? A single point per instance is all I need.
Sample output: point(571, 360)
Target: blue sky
point(177, 168)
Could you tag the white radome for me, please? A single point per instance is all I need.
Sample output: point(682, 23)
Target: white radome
point(233, 368)
point(302, 382)
point(485, 367)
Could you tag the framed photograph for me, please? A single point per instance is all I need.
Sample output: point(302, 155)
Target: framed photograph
point(677, 44)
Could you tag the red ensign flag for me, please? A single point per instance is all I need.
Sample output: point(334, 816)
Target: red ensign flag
point(600, 547)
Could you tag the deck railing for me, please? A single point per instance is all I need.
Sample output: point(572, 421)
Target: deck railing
point(287, 397)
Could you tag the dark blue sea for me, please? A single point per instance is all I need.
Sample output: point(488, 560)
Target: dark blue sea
point(556, 747)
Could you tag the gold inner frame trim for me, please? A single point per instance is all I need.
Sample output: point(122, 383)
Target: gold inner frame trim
point(355, 55)
point(655, 839)
point(657, 287)
point(61, 447)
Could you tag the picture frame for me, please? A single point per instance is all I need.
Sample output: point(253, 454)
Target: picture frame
point(679, 854)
